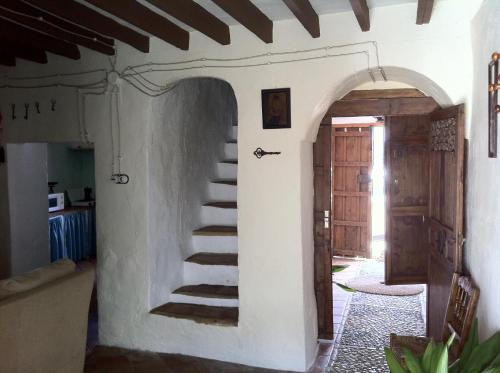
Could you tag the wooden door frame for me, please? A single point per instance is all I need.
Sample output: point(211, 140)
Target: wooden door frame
point(390, 102)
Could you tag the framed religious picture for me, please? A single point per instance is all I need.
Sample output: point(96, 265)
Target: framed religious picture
point(276, 108)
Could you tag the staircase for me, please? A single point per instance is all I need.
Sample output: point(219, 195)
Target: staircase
point(209, 294)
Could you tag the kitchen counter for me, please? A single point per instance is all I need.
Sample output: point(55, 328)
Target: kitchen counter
point(70, 210)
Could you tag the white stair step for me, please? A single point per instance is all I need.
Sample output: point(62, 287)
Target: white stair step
point(182, 298)
point(230, 151)
point(215, 244)
point(211, 215)
point(234, 133)
point(227, 170)
point(222, 192)
point(213, 275)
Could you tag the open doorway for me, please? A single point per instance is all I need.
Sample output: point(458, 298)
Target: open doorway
point(51, 196)
point(358, 190)
point(423, 192)
point(72, 215)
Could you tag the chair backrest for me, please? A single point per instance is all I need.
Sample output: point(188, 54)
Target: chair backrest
point(461, 312)
point(44, 329)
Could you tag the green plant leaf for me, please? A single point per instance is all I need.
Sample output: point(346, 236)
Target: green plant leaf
point(435, 358)
point(343, 287)
point(412, 362)
point(492, 370)
point(442, 363)
point(471, 343)
point(393, 362)
point(338, 268)
point(450, 340)
point(483, 354)
point(495, 363)
point(426, 359)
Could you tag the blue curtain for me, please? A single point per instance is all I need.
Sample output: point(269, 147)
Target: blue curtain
point(73, 235)
point(56, 230)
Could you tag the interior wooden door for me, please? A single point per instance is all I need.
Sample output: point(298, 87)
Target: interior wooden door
point(352, 164)
point(322, 248)
point(445, 210)
point(407, 198)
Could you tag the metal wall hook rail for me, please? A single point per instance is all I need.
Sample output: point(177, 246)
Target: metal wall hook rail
point(259, 153)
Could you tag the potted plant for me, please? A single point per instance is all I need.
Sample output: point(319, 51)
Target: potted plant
point(475, 358)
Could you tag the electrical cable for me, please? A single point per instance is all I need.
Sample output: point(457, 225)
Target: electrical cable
point(112, 138)
point(52, 85)
point(134, 76)
point(58, 75)
point(268, 54)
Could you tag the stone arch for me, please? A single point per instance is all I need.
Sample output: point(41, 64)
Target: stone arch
point(394, 74)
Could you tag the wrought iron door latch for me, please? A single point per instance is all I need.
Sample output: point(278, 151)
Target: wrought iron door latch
point(259, 153)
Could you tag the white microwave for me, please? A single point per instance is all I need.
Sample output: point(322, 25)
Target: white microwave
point(56, 202)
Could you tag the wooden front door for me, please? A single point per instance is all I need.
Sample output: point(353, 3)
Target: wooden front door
point(352, 164)
point(445, 210)
point(407, 198)
point(322, 162)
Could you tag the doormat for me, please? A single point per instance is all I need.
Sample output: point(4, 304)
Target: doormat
point(375, 285)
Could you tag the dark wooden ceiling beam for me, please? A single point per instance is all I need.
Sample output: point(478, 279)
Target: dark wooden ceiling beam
point(23, 51)
point(194, 15)
point(359, 94)
point(47, 28)
point(424, 11)
point(303, 10)
point(145, 19)
point(7, 60)
point(20, 7)
point(383, 106)
point(83, 16)
point(14, 32)
point(362, 13)
point(246, 13)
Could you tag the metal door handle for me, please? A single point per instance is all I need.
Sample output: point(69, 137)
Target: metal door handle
point(327, 219)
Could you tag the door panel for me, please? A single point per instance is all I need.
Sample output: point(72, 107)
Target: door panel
point(322, 161)
point(407, 186)
point(352, 162)
point(445, 210)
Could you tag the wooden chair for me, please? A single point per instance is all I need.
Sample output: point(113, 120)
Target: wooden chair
point(460, 315)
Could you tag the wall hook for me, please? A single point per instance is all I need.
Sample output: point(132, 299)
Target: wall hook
point(37, 106)
point(13, 107)
point(26, 108)
point(53, 105)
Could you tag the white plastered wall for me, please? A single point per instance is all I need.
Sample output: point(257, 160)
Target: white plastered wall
point(277, 326)
point(482, 254)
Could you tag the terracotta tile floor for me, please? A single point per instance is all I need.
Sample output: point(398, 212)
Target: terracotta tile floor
point(119, 360)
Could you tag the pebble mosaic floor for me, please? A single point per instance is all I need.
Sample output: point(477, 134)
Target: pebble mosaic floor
point(367, 323)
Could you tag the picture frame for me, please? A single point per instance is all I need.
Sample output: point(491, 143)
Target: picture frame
point(276, 108)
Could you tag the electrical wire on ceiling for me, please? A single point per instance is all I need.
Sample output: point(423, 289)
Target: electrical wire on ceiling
point(136, 77)
point(142, 82)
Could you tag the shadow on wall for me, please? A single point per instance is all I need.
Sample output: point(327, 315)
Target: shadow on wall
point(394, 74)
point(190, 125)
